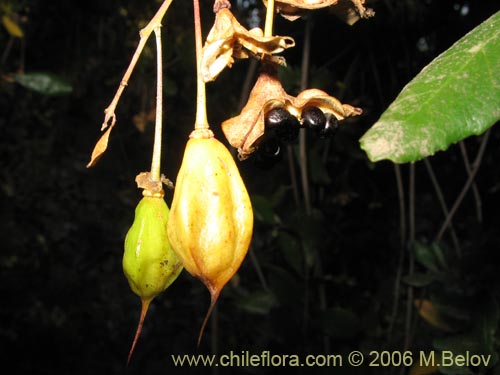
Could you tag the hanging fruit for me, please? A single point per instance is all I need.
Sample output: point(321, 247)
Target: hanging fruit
point(211, 219)
point(149, 263)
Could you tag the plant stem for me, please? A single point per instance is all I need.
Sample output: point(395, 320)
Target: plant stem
point(156, 160)
point(475, 191)
point(411, 258)
point(468, 183)
point(268, 27)
point(109, 112)
point(304, 173)
point(442, 203)
point(201, 100)
point(402, 250)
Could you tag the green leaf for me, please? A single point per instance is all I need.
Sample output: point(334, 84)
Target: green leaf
point(291, 249)
point(263, 209)
point(44, 83)
point(455, 96)
point(418, 279)
point(259, 303)
point(425, 256)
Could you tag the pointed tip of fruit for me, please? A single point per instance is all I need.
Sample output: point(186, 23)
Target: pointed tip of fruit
point(144, 310)
point(214, 296)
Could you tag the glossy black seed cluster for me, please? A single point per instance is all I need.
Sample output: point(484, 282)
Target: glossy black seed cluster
point(281, 127)
point(285, 126)
point(324, 124)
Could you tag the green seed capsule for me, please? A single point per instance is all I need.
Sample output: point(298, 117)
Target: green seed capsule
point(149, 263)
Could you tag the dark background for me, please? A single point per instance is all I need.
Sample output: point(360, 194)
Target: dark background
point(315, 283)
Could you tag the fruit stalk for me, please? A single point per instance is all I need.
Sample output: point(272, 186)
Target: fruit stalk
point(268, 27)
point(156, 160)
point(201, 106)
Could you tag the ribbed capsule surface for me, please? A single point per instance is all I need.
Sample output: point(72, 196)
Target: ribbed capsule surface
point(211, 218)
point(149, 263)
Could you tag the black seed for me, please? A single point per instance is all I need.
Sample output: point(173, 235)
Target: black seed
point(331, 126)
point(268, 153)
point(314, 118)
point(276, 117)
point(285, 126)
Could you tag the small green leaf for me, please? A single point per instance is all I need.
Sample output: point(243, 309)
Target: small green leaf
point(259, 303)
point(44, 83)
point(425, 256)
point(455, 96)
point(284, 286)
point(263, 209)
point(419, 280)
point(291, 249)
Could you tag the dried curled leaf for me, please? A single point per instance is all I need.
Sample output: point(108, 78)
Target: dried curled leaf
point(349, 11)
point(244, 131)
point(228, 40)
point(100, 147)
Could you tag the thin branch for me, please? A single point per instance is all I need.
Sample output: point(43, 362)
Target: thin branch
point(411, 258)
point(402, 250)
point(475, 190)
point(258, 269)
point(468, 183)
point(306, 54)
point(109, 112)
point(293, 174)
point(442, 203)
point(6, 50)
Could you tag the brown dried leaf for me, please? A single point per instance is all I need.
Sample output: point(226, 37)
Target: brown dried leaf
point(325, 102)
point(349, 11)
point(244, 131)
point(100, 147)
point(228, 40)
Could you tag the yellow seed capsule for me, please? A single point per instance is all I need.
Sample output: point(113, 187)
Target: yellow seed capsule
point(149, 263)
point(211, 219)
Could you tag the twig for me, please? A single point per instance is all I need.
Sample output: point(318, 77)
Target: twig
point(306, 53)
point(293, 174)
point(6, 50)
point(475, 190)
point(402, 250)
point(411, 258)
point(443, 205)
point(468, 183)
point(109, 112)
point(258, 269)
